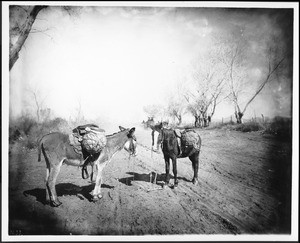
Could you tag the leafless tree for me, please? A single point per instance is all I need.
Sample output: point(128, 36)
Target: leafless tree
point(79, 116)
point(176, 105)
point(175, 110)
point(195, 107)
point(207, 89)
point(154, 111)
point(234, 56)
point(39, 103)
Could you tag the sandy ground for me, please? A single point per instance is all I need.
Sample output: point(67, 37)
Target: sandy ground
point(244, 188)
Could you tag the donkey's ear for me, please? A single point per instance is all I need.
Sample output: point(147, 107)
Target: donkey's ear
point(132, 130)
point(122, 128)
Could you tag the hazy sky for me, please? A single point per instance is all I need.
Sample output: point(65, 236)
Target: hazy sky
point(112, 61)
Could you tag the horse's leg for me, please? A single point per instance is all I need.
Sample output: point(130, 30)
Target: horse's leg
point(195, 163)
point(174, 162)
point(167, 161)
point(97, 189)
point(54, 171)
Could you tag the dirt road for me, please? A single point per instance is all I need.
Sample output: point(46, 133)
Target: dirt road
point(244, 188)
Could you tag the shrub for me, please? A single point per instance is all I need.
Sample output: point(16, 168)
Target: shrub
point(218, 125)
point(281, 127)
point(27, 131)
point(26, 124)
point(249, 127)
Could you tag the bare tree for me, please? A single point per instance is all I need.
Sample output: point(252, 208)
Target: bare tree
point(175, 109)
point(176, 105)
point(207, 87)
point(195, 108)
point(234, 56)
point(236, 77)
point(39, 103)
point(273, 66)
point(154, 111)
point(79, 116)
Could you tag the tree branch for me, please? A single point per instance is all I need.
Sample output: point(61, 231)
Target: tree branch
point(15, 49)
point(263, 84)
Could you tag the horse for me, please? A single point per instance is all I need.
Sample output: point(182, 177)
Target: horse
point(57, 151)
point(174, 145)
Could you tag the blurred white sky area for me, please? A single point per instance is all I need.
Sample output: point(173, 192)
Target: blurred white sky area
point(112, 61)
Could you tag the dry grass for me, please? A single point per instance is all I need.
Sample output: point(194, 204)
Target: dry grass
point(280, 127)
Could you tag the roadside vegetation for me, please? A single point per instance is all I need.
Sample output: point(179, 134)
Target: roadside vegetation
point(280, 127)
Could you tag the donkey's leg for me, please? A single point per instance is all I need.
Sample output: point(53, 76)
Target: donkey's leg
point(97, 190)
point(47, 188)
point(195, 163)
point(47, 176)
point(93, 167)
point(167, 162)
point(54, 171)
point(174, 162)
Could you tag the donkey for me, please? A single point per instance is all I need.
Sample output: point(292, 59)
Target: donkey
point(57, 151)
point(168, 139)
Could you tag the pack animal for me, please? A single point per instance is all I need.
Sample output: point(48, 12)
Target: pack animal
point(174, 145)
point(57, 151)
point(88, 140)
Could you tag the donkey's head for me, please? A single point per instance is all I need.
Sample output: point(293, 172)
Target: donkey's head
point(130, 145)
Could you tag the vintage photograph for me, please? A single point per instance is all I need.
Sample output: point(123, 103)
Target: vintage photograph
point(145, 119)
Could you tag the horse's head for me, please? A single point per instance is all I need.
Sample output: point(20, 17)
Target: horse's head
point(157, 136)
point(131, 143)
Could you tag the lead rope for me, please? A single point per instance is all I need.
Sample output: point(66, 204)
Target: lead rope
point(131, 163)
point(129, 167)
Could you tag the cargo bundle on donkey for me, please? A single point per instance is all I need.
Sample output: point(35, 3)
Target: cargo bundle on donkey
point(87, 144)
point(88, 140)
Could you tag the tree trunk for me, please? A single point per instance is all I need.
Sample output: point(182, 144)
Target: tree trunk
point(179, 117)
point(208, 120)
point(196, 121)
point(24, 32)
point(204, 122)
point(238, 116)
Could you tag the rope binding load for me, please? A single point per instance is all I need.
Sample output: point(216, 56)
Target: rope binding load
point(91, 137)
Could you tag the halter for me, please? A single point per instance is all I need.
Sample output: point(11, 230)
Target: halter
point(160, 133)
point(131, 138)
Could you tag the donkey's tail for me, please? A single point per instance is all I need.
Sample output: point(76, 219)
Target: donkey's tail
point(39, 149)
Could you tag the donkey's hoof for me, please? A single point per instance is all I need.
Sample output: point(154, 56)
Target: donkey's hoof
point(55, 203)
point(97, 197)
point(170, 185)
point(195, 181)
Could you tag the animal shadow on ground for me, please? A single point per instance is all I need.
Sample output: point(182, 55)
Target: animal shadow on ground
point(65, 189)
point(151, 177)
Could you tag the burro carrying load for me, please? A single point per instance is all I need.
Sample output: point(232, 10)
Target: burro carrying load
point(89, 140)
point(91, 137)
